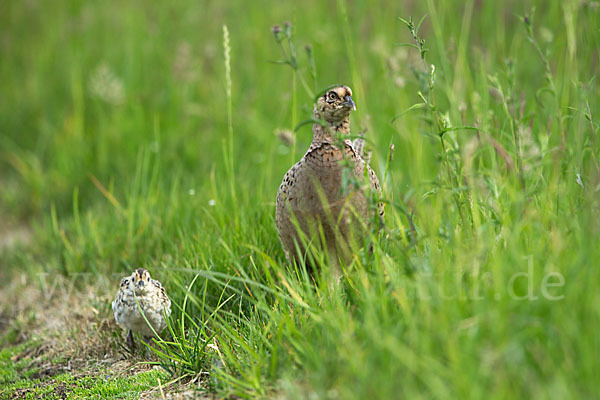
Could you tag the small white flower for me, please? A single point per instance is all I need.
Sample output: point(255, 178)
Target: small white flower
point(400, 81)
point(212, 202)
point(105, 85)
point(212, 346)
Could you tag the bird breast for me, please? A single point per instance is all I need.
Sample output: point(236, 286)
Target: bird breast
point(152, 304)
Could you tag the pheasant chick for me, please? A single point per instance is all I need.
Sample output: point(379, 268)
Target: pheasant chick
point(139, 292)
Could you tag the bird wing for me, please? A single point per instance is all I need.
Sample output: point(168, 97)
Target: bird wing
point(362, 163)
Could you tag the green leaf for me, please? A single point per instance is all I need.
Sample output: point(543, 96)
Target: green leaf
point(413, 107)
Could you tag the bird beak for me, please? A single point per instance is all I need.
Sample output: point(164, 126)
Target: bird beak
point(140, 283)
point(349, 103)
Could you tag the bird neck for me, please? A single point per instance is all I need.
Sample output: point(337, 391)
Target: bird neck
point(329, 133)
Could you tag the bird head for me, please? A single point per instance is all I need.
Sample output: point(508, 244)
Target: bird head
point(138, 282)
point(335, 104)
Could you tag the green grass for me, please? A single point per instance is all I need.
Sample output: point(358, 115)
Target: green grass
point(121, 144)
point(20, 379)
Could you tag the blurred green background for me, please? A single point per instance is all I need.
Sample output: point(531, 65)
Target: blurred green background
point(86, 86)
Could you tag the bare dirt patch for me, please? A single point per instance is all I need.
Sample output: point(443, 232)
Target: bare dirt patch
point(76, 334)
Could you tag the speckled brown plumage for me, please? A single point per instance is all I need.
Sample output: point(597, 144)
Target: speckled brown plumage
point(329, 186)
point(138, 294)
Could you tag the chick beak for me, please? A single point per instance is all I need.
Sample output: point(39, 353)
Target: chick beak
point(349, 103)
point(140, 283)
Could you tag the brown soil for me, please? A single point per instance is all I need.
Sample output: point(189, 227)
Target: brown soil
point(76, 335)
point(75, 330)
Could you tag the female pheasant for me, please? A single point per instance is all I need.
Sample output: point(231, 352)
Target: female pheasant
point(322, 195)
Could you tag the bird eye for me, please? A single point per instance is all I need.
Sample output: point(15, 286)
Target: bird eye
point(332, 95)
